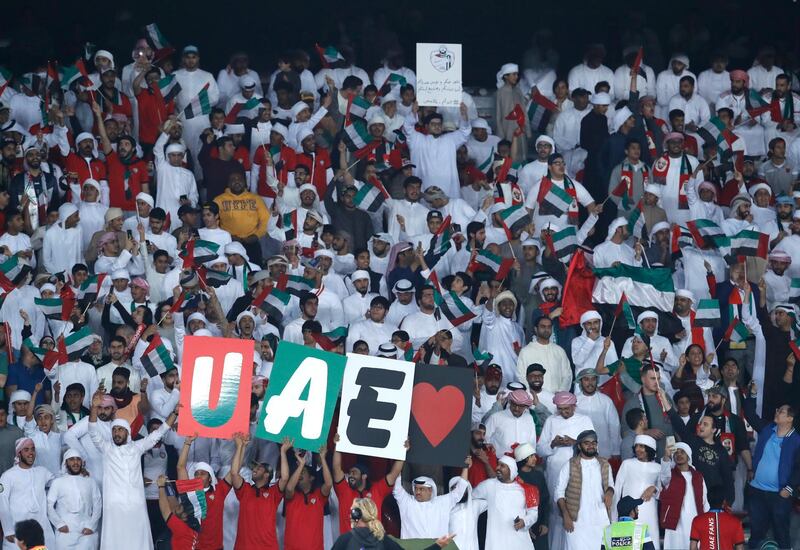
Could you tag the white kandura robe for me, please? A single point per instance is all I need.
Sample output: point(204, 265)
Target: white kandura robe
point(503, 429)
point(679, 537)
point(556, 458)
point(92, 220)
point(191, 83)
point(504, 503)
point(670, 191)
point(464, 519)
point(374, 334)
point(592, 515)
point(633, 477)
point(435, 157)
point(498, 336)
point(605, 418)
point(421, 326)
point(23, 497)
point(48, 447)
point(77, 437)
point(173, 181)
point(125, 521)
point(609, 252)
point(425, 520)
point(74, 501)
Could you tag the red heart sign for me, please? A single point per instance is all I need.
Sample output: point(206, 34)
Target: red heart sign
point(436, 411)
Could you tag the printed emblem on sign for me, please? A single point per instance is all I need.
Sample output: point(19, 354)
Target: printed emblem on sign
point(661, 164)
point(442, 59)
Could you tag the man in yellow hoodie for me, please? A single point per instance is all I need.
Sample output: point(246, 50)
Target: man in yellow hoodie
point(243, 215)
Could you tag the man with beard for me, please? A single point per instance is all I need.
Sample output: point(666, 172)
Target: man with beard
point(601, 409)
point(77, 437)
point(791, 244)
point(84, 164)
point(711, 458)
point(512, 425)
point(23, 495)
point(163, 400)
point(584, 493)
point(355, 484)
point(778, 281)
point(784, 113)
point(127, 173)
point(74, 505)
point(484, 456)
point(556, 446)
point(673, 170)
point(658, 248)
point(488, 398)
point(130, 406)
point(44, 186)
point(116, 350)
point(543, 406)
point(541, 350)
point(512, 507)
point(740, 99)
point(125, 521)
point(694, 107)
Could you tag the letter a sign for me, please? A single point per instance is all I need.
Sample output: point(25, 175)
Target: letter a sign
point(301, 396)
point(216, 381)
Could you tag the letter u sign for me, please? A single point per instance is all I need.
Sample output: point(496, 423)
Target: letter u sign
point(216, 383)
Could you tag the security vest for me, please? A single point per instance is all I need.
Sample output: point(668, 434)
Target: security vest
point(624, 535)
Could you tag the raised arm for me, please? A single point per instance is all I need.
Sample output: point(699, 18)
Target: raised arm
point(284, 479)
point(327, 478)
point(183, 457)
point(291, 485)
point(236, 462)
point(163, 501)
point(101, 128)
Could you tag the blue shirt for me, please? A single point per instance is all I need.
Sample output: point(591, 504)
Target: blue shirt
point(24, 379)
point(766, 477)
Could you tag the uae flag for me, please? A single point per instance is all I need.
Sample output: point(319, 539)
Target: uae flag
point(637, 64)
point(198, 251)
point(272, 301)
point(449, 303)
point(391, 81)
point(756, 105)
point(329, 340)
point(624, 308)
point(370, 195)
point(706, 233)
point(577, 295)
point(736, 331)
point(562, 244)
point(77, 342)
point(14, 270)
point(248, 105)
point(540, 111)
point(212, 277)
point(795, 345)
point(328, 55)
point(514, 219)
point(199, 105)
point(357, 108)
point(69, 74)
point(643, 287)
point(557, 199)
point(794, 290)
point(289, 225)
point(518, 116)
point(156, 38)
point(708, 314)
point(5, 283)
point(192, 497)
point(357, 138)
point(49, 358)
point(679, 238)
point(482, 359)
point(157, 359)
point(715, 131)
point(636, 221)
point(750, 243)
point(90, 288)
point(295, 284)
point(486, 261)
point(441, 240)
point(50, 307)
point(169, 87)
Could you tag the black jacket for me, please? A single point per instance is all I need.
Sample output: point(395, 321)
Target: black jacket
point(361, 538)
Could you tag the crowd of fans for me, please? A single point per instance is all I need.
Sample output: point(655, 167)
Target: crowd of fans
point(148, 201)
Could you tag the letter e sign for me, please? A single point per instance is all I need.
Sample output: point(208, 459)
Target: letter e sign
point(216, 382)
point(301, 396)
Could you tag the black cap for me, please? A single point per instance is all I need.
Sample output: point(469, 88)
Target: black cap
point(626, 505)
point(535, 367)
point(434, 214)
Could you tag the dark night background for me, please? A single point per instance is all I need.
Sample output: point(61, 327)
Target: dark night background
point(492, 32)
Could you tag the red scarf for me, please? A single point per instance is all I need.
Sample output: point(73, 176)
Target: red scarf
point(697, 332)
point(531, 493)
point(660, 170)
point(548, 307)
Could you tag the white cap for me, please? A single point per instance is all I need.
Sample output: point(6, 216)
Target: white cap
point(621, 116)
point(120, 274)
point(359, 274)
